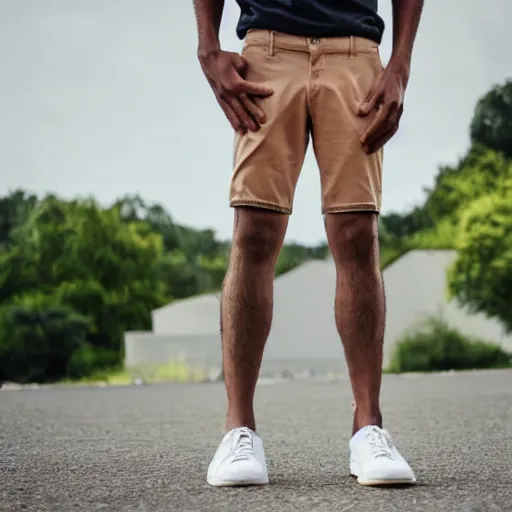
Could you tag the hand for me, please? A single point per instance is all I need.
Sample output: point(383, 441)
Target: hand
point(236, 96)
point(387, 98)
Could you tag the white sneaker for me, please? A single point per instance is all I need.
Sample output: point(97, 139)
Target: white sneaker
point(374, 459)
point(239, 460)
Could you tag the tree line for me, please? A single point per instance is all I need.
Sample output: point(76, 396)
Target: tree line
point(74, 276)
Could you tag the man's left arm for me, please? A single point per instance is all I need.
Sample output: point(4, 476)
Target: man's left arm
point(387, 94)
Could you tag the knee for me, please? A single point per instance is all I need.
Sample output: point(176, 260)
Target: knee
point(353, 236)
point(258, 239)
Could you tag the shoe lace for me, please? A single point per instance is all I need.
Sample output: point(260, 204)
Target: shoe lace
point(242, 445)
point(380, 444)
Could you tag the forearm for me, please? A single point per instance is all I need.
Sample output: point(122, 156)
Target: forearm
point(406, 18)
point(208, 18)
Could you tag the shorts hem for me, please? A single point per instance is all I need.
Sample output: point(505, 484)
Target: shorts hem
point(360, 207)
point(261, 204)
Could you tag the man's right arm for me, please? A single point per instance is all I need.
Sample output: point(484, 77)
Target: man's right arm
point(224, 71)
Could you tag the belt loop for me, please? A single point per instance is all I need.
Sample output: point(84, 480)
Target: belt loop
point(352, 47)
point(272, 36)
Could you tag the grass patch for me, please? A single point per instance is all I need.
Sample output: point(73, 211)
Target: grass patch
point(435, 346)
point(173, 371)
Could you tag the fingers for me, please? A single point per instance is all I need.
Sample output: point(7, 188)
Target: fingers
point(386, 120)
point(369, 105)
point(243, 115)
point(381, 141)
point(239, 95)
point(376, 126)
point(251, 107)
point(233, 119)
point(373, 100)
point(242, 86)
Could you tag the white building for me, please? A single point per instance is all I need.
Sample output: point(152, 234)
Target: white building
point(303, 335)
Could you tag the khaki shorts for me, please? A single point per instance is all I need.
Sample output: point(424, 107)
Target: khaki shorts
point(318, 85)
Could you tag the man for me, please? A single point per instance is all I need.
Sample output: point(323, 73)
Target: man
point(309, 68)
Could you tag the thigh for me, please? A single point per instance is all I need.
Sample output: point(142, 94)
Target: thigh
point(351, 179)
point(267, 163)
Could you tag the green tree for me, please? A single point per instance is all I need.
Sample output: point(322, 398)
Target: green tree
point(135, 209)
point(14, 210)
point(481, 277)
point(38, 340)
point(89, 259)
point(194, 255)
point(480, 172)
point(400, 225)
point(492, 120)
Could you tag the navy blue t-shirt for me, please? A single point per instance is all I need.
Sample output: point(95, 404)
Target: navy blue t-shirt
point(312, 18)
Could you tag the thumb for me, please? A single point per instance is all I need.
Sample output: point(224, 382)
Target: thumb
point(239, 63)
point(369, 104)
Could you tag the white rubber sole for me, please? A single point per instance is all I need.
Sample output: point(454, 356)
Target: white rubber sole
point(375, 483)
point(232, 483)
point(354, 471)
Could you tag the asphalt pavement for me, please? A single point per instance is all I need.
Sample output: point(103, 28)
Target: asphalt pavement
point(147, 448)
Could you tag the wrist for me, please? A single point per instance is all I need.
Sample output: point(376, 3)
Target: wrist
point(208, 48)
point(401, 65)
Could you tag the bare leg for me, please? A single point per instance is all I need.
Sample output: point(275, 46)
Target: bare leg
point(360, 307)
point(247, 302)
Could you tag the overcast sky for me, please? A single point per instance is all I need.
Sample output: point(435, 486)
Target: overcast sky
point(105, 97)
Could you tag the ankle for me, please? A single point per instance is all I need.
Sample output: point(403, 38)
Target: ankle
point(365, 419)
point(238, 421)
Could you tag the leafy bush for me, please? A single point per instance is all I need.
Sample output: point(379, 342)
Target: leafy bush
point(481, 276)
point(37, 342)
point(435, 346)
point(87, 360)
point(441, 236)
